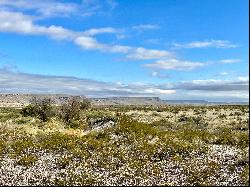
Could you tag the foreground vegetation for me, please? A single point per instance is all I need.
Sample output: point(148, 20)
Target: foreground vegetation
point(170, 145)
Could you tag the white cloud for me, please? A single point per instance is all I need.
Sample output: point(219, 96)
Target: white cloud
point(243, 78)
point(206, 44)
point(135, 53)
point(229, 90)
point(158, 91)
point(95, 31)
point(20, 23)
point(212, 89)
point(144, 27)
point(229, 61)
point(57, 8)
point(15, 22)
point(18, 82)
point(174, 64)
point(215, 85)
point(45, 8)
point(222, 95)
point(141, 53)
point(119, 49)
point(23, 24)
point(58, 32)
point(89, 43)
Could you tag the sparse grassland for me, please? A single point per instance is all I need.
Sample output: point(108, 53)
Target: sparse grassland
point(168, 145)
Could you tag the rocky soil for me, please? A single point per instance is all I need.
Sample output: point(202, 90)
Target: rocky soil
point(173, 145)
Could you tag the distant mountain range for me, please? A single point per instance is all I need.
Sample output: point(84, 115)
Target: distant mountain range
point(203, 102)
point(19, 100)
point(127, 101)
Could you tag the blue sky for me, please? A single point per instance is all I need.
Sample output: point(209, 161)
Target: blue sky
point(174, 49)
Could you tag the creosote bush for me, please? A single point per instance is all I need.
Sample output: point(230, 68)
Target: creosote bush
point(70, 111)
point(40, 108)
point(27, 160)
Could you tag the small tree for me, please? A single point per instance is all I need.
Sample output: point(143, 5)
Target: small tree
point(71, 109)
point(40, 108)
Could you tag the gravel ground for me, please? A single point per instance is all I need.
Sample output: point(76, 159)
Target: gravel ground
point(45, 171)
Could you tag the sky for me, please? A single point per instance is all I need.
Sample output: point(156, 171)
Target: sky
point(172, 49)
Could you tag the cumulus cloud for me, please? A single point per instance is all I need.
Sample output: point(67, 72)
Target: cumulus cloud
point(174, 64)
point(89, 43)
point(206, 44)
point(20, 23)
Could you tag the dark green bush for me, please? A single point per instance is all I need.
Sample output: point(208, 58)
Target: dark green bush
point(29, 110)
point(40, 108)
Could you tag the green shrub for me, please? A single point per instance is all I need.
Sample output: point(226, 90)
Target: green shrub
point(2, 147)
point(22, 121)
point(20, 146)
point(29, 110)
point(27, 160)
point(70, 111)
point(245, 175)
point(40, 108)
point(7, 116)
